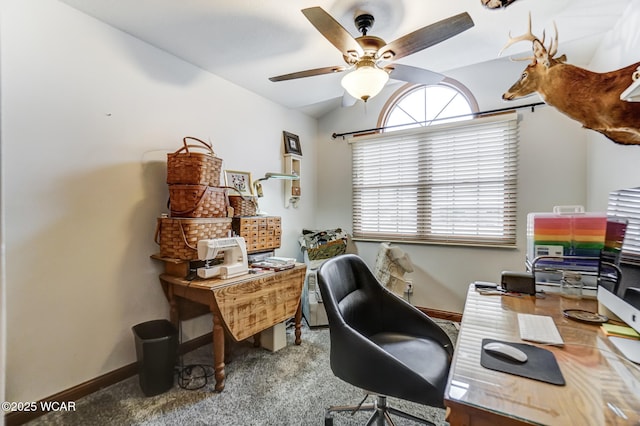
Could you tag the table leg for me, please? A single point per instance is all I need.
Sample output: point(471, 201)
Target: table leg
point(218, 352)
point(257, 340)
point(174, 315)
point(298, 331)
point(227, 348)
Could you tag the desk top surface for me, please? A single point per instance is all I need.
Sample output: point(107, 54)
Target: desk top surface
point(216, 283)
point(601, 387)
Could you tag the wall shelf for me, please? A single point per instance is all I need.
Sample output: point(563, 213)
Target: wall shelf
point(292, 188)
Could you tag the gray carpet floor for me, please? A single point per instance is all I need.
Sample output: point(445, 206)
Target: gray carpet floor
point(292, 386)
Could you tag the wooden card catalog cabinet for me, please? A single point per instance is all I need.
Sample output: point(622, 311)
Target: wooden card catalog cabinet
point(261, 233)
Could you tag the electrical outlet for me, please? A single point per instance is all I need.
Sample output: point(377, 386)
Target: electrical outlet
point(408, 287)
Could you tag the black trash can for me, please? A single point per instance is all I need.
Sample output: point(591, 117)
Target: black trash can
point(156, 351)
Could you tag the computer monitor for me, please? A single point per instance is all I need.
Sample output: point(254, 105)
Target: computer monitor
point(627, 313)
point(619, 287)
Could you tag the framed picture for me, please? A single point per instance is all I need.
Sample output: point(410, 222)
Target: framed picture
point(240, 181)
point(292, 144)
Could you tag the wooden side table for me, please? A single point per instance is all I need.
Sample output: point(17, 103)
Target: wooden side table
point(242, 306)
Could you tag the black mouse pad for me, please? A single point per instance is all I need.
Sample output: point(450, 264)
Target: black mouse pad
point(541, 364)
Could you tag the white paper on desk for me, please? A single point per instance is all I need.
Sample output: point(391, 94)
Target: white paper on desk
point(280, 260)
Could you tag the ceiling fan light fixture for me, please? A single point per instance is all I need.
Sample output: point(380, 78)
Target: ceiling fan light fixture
point(365, 82)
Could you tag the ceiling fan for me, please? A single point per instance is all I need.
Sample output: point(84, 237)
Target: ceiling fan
point(366, 55)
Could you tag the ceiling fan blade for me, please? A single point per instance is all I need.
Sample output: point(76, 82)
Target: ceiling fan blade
point(427, 36)
point(308, 73)
point(413, 74)
point(333, 31)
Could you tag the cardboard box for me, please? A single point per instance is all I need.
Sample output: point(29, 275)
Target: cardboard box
point(317, 313)
point(274, 338)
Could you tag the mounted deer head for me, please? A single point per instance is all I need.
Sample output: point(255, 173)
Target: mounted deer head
point(591, 98)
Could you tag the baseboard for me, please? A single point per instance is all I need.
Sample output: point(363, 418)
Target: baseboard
point(434, 313)
point(122, 373)
point(195, 343)
point(72, 394)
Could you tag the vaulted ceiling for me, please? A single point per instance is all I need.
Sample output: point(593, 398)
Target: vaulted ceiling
point(248, 41)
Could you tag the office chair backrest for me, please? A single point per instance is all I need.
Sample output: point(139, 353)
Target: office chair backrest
point(354, 296)
point(347, 298)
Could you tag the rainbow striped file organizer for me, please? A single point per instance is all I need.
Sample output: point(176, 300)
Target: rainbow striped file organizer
point(568, 231)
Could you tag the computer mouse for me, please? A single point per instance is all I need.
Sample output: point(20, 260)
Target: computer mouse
point(506, 351)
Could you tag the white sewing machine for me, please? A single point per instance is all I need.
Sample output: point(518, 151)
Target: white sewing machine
point(235, 257)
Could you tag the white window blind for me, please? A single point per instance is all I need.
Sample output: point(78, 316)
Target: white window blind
point(450, 183)
point(625, 204)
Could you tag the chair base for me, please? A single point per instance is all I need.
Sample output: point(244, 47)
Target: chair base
point(381, 413)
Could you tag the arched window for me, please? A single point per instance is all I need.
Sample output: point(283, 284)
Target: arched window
point(432, 183)
point(415, 106)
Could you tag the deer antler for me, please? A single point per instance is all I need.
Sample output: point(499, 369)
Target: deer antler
point(553, 46)
point(528, 36)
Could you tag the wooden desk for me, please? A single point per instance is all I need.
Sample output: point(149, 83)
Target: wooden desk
point(601, 388)
point(242, 306)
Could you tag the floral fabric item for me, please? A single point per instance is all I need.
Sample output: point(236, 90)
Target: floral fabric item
point(391, 265)
point(323, 244)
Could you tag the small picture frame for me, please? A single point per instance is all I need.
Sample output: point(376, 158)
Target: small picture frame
point(291, 144)
point(241, 181)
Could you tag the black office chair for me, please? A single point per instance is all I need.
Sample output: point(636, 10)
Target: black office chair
point(380, 343)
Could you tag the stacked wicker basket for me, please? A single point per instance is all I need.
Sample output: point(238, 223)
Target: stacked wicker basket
point(199, 206)
point(242, 205)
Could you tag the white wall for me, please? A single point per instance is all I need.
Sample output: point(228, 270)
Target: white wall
point(560, 164)
point(552, 170)
point(612, 166)
point(3, 281)
point(88, 114)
